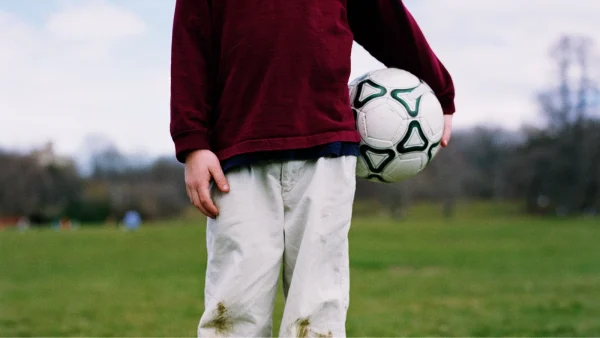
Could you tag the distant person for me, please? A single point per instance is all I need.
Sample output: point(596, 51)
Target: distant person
point(132, 220)
point(23, 224)
point(260, 115)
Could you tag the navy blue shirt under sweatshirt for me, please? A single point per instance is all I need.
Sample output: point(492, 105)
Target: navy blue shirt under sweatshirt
point(335, 149)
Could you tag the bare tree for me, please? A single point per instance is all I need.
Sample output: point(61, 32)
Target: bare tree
point(564, 157)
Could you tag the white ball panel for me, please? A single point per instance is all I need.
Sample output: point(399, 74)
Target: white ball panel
point(362, 124)
point(362, 170)
point(384, 121)
point(431, 110)
point(403, 168)
point(385, 115)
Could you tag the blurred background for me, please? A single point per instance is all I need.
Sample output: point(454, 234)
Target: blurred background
point(500, 235)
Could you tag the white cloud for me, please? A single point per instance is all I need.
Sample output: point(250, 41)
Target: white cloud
point(79, 74)
point(14, 40)
point(96, 21)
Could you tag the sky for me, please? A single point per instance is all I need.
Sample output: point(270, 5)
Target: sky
point(81, 72)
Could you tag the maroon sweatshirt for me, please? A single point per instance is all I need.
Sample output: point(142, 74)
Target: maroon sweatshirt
point(262, 75)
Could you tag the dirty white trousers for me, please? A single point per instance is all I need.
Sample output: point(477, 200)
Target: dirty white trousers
point(292, 212)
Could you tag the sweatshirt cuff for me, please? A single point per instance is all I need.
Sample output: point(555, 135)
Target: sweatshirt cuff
point(448, 108)
point(447, 103)
point(189, 141)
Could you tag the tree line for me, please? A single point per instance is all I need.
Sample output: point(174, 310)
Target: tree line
point(553, 168)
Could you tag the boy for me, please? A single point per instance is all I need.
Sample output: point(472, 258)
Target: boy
point(261, 117)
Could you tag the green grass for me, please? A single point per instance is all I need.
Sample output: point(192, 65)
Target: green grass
point(477, 275)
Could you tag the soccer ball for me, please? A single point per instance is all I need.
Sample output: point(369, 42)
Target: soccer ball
point(400, 121)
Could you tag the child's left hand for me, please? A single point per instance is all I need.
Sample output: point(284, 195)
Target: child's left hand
point(447, 130)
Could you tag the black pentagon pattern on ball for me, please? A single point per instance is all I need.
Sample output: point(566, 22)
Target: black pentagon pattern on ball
point(430, 151)
point(376, 168)
point(375, 177)
point(395, 95)
point(413, 125)
point(358, 103)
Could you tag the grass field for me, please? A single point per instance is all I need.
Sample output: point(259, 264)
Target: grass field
point(480, 274)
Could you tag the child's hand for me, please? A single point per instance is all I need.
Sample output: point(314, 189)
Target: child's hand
point(200, 167)
point(447, 130)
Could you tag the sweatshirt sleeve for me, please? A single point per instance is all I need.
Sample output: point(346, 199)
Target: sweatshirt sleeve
point(388, 31)
point(190, 78)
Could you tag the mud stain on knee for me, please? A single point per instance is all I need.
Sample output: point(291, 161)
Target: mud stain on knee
point(303, 330)
point(221, 323)
point(303, 327)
